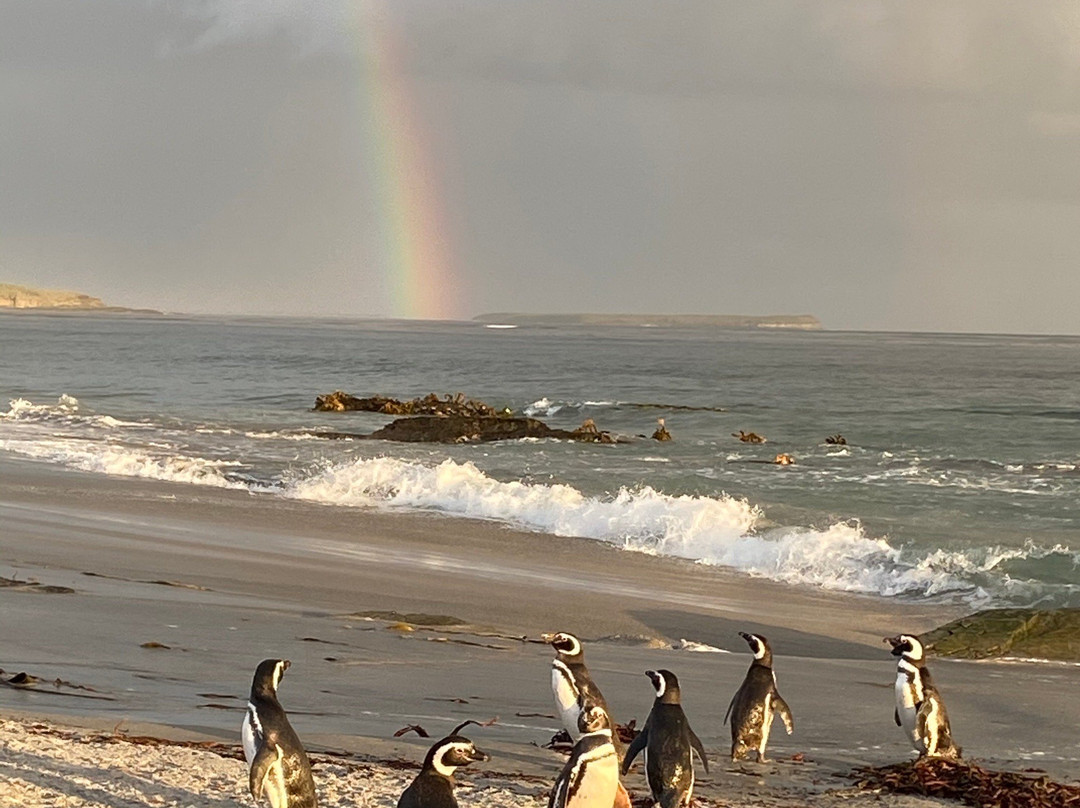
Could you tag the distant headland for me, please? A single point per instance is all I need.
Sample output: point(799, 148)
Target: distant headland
point(805, 322)
point(20, 298)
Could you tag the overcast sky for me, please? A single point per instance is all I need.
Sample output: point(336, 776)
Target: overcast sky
point(883, 165)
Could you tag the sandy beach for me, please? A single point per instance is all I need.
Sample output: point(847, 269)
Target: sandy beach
point(178, 592)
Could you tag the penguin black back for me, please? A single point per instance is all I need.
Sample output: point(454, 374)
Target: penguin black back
point(433, 787)
point(756, 703)
point(278, 767)
point(669, 744)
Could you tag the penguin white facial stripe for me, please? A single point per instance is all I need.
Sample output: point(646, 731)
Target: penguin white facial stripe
point(661, 685)
point(916, 652)
point(441, 767)
point(575, 648)
point(759, 647)
point(279, 671)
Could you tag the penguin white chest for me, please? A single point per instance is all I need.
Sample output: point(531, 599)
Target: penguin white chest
point(907, 696)
point(566, 697)
point(598, 783)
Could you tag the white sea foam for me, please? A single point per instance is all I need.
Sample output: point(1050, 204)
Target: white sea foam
point(107, 458)
point(64, 411)
point(543, 407)
point(698, 647)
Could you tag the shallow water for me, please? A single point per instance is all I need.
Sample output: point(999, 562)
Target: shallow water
point(961, 478)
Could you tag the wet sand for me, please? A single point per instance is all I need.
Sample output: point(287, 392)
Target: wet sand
point(263, 577)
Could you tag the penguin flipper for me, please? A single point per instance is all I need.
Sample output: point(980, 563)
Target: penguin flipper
point(731, 704)
point(785, 713)
point(896, 716)
point(641, 740)
point(260, 768)
point(695, 742)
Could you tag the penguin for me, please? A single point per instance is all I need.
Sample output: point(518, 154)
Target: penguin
point(920, 711)
point(572, 684)
point(590, 778)
point(756, 703)
point(433, 787)
point(279, 771)
point(669, 743)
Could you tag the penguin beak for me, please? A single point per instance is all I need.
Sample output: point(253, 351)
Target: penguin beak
point(478, 756)
point(547, 637)
point(744, 635)
point(285, 664)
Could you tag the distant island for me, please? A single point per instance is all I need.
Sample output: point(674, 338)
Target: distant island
point(804, 322)
point(16, 298)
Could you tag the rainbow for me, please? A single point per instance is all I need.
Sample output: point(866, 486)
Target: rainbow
point(414, 252)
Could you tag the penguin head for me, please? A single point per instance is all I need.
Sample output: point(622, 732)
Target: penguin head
point(592, 718)
point(451, 753)
point(906, 645)
point(268, 677)
point(666, 685)
point(759, 647)
point(566, 646)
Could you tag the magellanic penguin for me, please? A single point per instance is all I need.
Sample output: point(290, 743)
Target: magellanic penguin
point(572, 685)
point(669, 744)
point(590, 778)
point(920, 710)
point(278, 767)
point(756, 703)
point(434, 786)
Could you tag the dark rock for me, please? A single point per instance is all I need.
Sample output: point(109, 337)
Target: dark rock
point(473, 429)
point(1030, 633)
point(430, 404)
point(462, 429)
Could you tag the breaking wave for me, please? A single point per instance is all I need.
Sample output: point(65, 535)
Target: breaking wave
point(718, 530)
point(715, 529)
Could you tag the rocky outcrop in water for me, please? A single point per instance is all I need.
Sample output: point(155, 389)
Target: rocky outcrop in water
point(430, 404)
point(1030, 633)
point(475, 429)
point(748, 437)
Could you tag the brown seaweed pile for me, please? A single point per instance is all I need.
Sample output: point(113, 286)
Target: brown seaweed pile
point(430, 404)
point(969, 784)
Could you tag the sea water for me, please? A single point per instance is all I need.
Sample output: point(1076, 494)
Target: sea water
point(960, 479)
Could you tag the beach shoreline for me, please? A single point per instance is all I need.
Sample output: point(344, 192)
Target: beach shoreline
point(214, 580)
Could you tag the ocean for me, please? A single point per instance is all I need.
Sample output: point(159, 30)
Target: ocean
point(960, 480)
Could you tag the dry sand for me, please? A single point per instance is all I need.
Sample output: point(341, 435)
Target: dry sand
point(261, 577)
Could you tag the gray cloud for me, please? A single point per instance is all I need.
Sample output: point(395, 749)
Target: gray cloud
point(882, 165)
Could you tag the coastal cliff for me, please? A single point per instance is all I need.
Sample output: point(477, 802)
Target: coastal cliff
point(805, 322)
point(24, 297)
